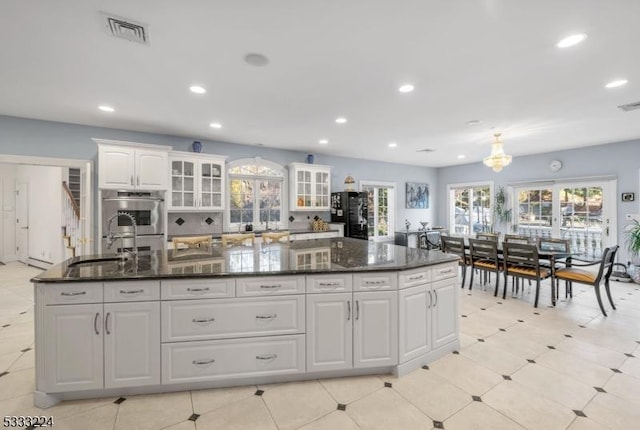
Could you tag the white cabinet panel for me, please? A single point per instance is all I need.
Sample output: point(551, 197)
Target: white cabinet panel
point(221, 359)
point(329, 331)
point(197, 182)
point(131, 344)
point(209, 288)
point(415, 328)
point(335, 283)
point(373, 281)
point(211, 319)
point(411, 278)
point(151, 169)
point(309, 187)
point(445, 312)
point(270, 285)
point(375, 329)
point(131, 291)
point(73, 348)
point(72, 292)
point(116, 167)
point(444, 271)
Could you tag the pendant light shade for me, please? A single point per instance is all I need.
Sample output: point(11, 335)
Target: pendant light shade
point(498, 159)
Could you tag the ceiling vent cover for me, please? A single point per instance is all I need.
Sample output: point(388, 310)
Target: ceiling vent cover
point(125, 28)
point(630, 106)
point(426, 150)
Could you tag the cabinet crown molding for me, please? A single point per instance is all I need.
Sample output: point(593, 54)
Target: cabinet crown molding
point(196, 155)
point(131, 144)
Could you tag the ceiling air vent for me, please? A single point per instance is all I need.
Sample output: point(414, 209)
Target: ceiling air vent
point(630, 106)
point(426, 150)
point(125, 28)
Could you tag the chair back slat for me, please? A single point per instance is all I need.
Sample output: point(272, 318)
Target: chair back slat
point(515, 238)
point(483, 249)
point(520, 254)
point(549, 244)
point(488, 236)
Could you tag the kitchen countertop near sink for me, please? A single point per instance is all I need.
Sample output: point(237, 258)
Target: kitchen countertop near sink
point(332, 255)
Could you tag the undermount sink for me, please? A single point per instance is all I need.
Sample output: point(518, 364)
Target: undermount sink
point(98, 260)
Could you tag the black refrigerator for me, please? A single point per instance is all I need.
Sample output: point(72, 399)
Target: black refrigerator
point(350, 208)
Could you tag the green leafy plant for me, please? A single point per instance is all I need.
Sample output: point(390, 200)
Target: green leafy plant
point(500, 211)
point(633, 238)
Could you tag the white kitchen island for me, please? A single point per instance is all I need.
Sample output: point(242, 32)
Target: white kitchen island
point(218, 317)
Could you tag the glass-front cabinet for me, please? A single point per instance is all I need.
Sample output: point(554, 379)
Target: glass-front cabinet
point(197, 182)
point(310, 186)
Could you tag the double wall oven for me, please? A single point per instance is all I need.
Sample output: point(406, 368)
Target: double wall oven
point(147, 207)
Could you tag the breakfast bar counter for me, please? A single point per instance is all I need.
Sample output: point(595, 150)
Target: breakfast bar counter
point(214, 317)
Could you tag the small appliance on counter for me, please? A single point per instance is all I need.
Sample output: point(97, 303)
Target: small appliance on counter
point(351, 208)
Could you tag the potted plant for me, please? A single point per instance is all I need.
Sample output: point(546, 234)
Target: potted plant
point(633, 246)
point(502, 214)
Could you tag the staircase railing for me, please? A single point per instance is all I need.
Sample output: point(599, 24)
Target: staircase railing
point(71, 221)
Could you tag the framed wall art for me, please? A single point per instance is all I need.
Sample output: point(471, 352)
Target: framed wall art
point(417, 195)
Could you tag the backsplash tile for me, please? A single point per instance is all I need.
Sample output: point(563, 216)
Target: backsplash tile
point(186, 224)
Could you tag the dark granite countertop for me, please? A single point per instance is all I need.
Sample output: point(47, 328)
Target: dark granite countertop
point(258, 233)
point(297, 257)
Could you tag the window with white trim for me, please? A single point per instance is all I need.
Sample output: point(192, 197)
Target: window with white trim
point(470, 208)
point(257, 195)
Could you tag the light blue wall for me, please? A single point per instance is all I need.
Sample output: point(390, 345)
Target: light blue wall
point(621, 160)
point(21, 136)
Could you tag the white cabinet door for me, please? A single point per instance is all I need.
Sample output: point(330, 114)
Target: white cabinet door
point(211, 184)
point(183, 184)
point(73, 348)
point(444, 312)
point(151, 169)
point(131, 344)
point(329, 331)
point(309, 186)
point(116, 167)
point(415, 326)
point(375, 333)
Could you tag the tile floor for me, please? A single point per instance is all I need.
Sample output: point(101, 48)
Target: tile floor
point(518, 367)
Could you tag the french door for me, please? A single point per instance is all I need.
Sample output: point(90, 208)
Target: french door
point(582, 212)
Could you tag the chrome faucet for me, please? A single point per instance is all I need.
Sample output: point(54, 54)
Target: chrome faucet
point(112, 236)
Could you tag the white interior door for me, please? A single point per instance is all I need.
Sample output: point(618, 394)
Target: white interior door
point(22, 222)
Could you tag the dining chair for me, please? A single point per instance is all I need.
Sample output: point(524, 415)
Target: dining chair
point(488, 236)
point(455, 245)
point(275, 236)
point(484, 257)
point(556, 245)
point(516, 238)
point(572, 273)
point(238, 239)
point(191, 242)
point(521, 261)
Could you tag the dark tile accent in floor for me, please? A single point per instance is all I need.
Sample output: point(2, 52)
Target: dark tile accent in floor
point(579, 413)
point(425, 367)
point(31, 427)
point(483, 309)
point(536, 313)
point(629, 355)
point(499, 303)
point(476, 398)
point(600, 389)
point(520, 320)
point(259, 392)
point(6, 325)
point(456, 352)
point(551, 347)
point(531, 361)
point(342, 407)
point(506, 377)
point(438, 424)
point(582, 326)
point(119, 400)
point(25, 350)
point(567, 335)
point(3, 373)
point(193, 417)
point(502, 329)
point(480, 340)
point(616, 370)
point(22, 313)
point(388, 384)
point(463, 316)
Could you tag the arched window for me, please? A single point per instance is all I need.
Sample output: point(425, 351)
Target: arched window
point(256, 194)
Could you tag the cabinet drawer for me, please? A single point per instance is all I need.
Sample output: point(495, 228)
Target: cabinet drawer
point(329, 283)
point(374, 281)
point(131, 291)
point(411, 278)
point(269, 286)
point(197, 288)
point(211, 360)
point(444, 271)
point(76, 292)
point(214, 319)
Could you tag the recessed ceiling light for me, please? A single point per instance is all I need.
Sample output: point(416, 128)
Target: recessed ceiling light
point(257, 60)
point(341, 120)
point(616, 83)
point(215, 125)
point(323, 141)
point(460, 156)
point(406, 88)
point(105, 108)
point(392, 144)
point(197, 89)
point(574, 39)
point(473, 122)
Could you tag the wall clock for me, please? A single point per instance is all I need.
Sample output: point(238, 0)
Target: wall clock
point(555, 165)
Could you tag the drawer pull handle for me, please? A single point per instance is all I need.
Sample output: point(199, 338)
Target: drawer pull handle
point(329, 284)
point(375, 282)
point(267, 357)
point(131, 291)
point(446, 271)
point(203, 362)
point(203, 321)
point(267, 317)
point(197, 290)
point(270, 286)
point(78, 293)
point(415, 278)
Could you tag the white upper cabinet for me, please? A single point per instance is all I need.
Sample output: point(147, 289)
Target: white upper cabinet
point(197, 182)
point(130, 166)
point(309, 187)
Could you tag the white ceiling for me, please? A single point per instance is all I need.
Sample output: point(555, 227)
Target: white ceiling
point(492, 60)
